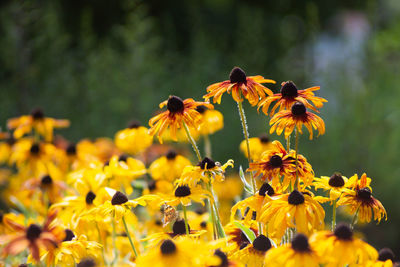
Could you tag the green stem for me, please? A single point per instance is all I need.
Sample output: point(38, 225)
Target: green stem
point(214, 209)
point(191, 140)
point(207, 145)
point(114, 237)
point(246, 137)
point(103, 247)
point(353, 222)
point(186, 220)
point(212, 219)
point(334, 215)
point(296, 185)
point(288, 144)
point(129, 237)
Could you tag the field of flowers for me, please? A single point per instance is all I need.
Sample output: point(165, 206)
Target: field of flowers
point(146, 199)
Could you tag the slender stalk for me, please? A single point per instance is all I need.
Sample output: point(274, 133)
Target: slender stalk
point(207, 145)
point(353, 222)
point(129, 237)
point(186, 220)
point(334, 215)
point(246, 137)
point(288, 144)
point(103, 247)
point(296, 185)
point(215, 213)
point(114, 237)
point(212, 219)
point(191, 140)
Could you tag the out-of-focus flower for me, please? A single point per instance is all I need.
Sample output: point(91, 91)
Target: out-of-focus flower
point(168, 167)
point(258, 145)
point(253, 254)
point(212, 120)
point(134, 139)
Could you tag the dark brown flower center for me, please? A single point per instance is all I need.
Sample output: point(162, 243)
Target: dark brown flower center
point(151, 185)
point(168, 247)
point(134, 124)
point(266, 188)
point(35, 149)
point(182, 191)
point(298, 109)
point(386, 254)
point(175, 104)
point(364, 193)
point(179, 227)
point(207, 163)
point(46, 180)
point(238, 76)
point(343, 232)
point(223, 257)
point(262, 243)
point(69, 235)
point(275, 161)
point(171, 154)
point(203, 224)
point(90, 196)
point(86, 263)
point(123, 157)
point(37, 114)
point(300, 243)
point(33, 232)
point(201, 109)
point(296, 198)
point(289, 90)
point(71, 150)
point(119, 198)
point(264, 138)
point(336, 180)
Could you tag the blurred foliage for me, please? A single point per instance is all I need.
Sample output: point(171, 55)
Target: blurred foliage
point(102, 63)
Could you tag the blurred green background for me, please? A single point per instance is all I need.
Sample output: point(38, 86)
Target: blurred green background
point(101, 63)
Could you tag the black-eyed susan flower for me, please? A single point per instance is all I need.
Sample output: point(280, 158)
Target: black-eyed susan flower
point(179, 113)
point(134, 139)
point(37, 121)
point(240, 85)
point(297, 116)
point(335, 184)
point(385, 259)
point(184, 194)
point(297, 253)
point(158, 187)
point(361, 201)
point(288, 95)
point(168, 167)
point(52, 190)
point(258, 145)
point(212, 120)
point(6, 144)
point(273, 164)
point(295, 210)
point(237, 240)
point(341, 247)
point(253, 254)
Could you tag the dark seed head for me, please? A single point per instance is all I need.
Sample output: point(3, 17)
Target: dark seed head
point(171, 154)
point(300, 243)
point(237, 76)
point(71, 150)
point(123, 157)
point(133, 124)
point(11, 141)
point(46, 180)
point(343, 232)
point(264, 138)
point(289, 90)
point(298, 109)
point(207, 161)
point(201, 109)
point(203, 224)
point(119, 198)
point(182, 191)
point(223, 257)
point(175, 104)
point(275, 161)
point(33, 232)
point(151, 185)
point(336, 180)
point(179, 227)
point(167, 247)
point(266, 188)
point(69, 235)
point(200, 210)
point(386, 254)
point(86, 263)
point(37, 114)
point(296, 198)
point(90, 196)
point(35, 149)
point(107, 163)
point(262, 243)
point(158, 222)
point(364, 193)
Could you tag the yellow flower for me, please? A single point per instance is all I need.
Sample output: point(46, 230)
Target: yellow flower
point(258, 145)
point(158, 186)
point(36, 120)
point(235, 237)
point(297, 254)
point(360, 200)
point(297, 116)
point(178, 112)
point(340, 247)
point(184, 195)
point(385, 259)
point(134, 139)
point(296, 210)
point(239, 84)
point(289, 95)
point(336, 184)
point(168, 167)
point(253, 254)
point(212, 120)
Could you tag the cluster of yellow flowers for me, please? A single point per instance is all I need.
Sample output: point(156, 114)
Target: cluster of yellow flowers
point(129, 202)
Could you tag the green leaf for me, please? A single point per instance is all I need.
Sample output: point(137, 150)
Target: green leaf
point(246, 231)
point(247, 186)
